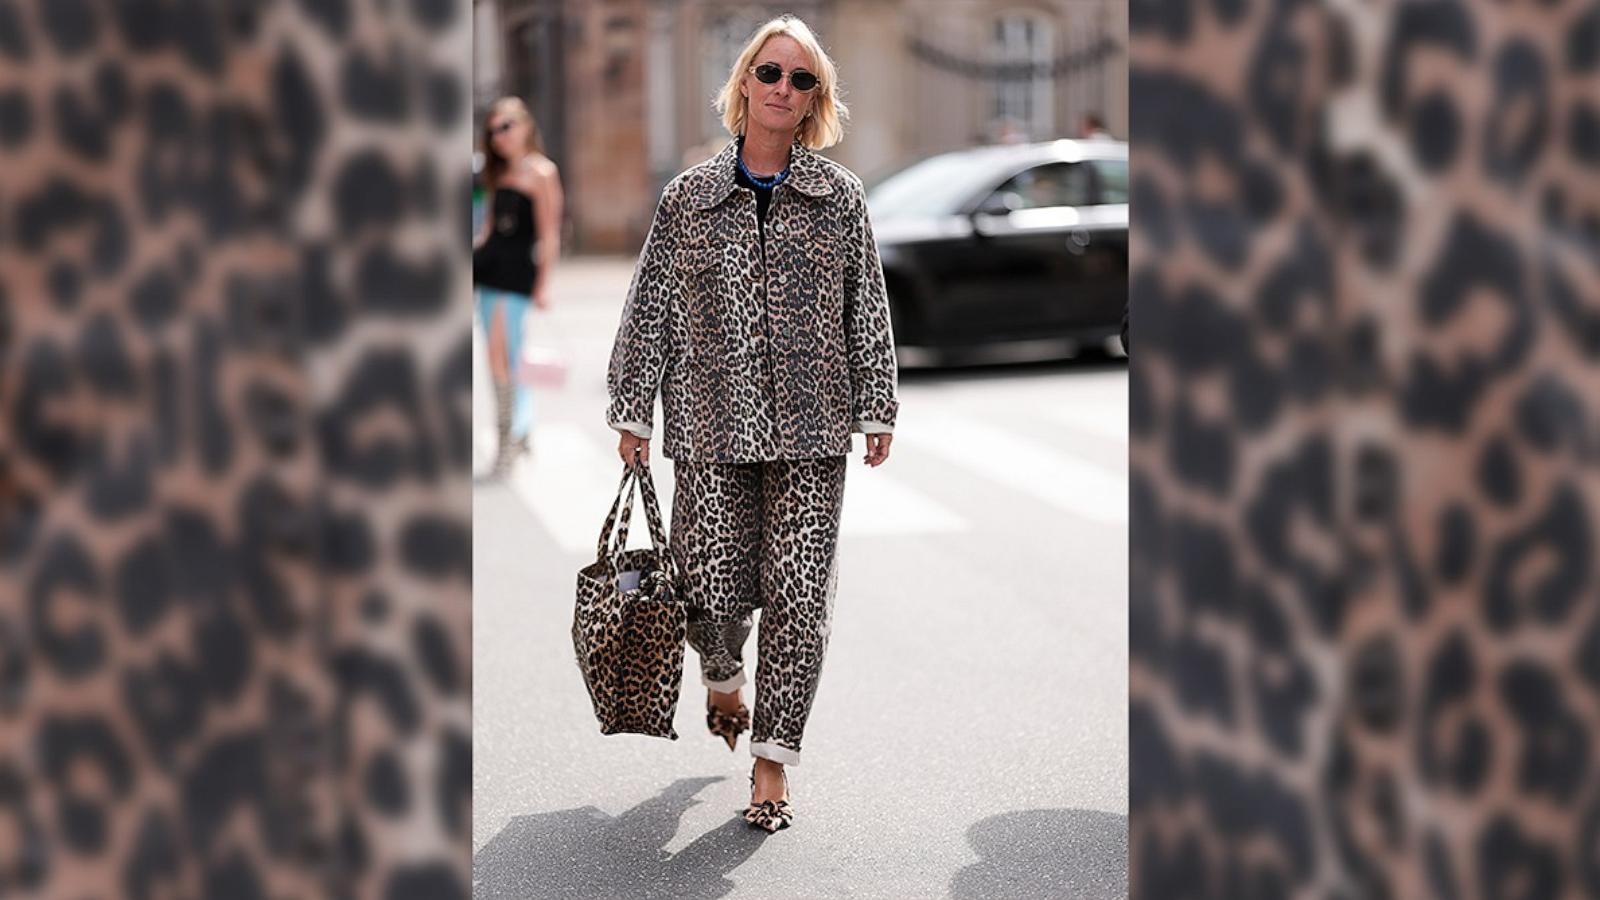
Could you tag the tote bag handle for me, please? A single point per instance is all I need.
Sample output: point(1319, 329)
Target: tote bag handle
point(636, 474)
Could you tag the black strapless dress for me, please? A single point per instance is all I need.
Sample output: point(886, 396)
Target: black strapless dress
point(505, 261)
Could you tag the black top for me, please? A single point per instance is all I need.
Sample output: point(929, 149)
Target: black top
point(763, 199)
point(505, 260)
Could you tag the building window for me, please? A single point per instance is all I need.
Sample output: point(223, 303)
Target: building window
point(1025, 41)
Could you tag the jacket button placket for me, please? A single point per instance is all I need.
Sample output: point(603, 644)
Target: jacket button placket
point(763, 337)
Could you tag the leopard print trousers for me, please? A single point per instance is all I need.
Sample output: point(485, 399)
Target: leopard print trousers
point(763, 534)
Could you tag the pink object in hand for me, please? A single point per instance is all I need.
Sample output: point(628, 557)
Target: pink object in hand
point(543, 366)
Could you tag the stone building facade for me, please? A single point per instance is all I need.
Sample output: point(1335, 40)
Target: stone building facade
point(622, 89)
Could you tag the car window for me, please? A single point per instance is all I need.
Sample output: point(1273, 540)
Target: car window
point(1113, 180)
point(934, 186)
point(1067, 184)
point(1052, 184)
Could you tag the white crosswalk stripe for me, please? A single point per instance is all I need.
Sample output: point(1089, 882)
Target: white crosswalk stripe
point(878, 503)
point(571, 484)
point(1102, 419)
point(1094, 403)
point(1010, 459)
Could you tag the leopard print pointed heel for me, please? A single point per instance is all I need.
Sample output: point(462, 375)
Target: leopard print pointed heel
point(770, 815)
point(727, 726)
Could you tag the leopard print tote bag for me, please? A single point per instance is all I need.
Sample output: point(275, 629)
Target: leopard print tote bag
point(629, 625)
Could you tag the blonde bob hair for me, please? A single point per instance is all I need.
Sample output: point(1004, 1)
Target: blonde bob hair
point(824, 127)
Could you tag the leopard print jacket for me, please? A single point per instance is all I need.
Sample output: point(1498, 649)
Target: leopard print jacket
point(759, 352)
point(235, 431)
point(1364, 627)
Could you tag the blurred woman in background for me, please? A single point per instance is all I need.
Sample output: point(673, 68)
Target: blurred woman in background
point(512, 258)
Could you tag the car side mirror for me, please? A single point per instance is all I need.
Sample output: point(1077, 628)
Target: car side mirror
point(1000, 203)
point(995, 206)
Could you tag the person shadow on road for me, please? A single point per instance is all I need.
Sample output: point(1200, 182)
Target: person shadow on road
point(586, 852)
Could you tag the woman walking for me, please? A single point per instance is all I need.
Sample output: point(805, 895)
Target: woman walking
point(758, 312)
point(524, 189)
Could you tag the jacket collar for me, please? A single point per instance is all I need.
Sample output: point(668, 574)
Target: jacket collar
point(807, 174)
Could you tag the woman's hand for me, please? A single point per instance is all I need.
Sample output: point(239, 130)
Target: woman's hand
point(631, 442)
point(877, 448)
point(541, 299)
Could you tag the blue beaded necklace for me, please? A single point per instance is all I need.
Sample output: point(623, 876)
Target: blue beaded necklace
point(766, 183)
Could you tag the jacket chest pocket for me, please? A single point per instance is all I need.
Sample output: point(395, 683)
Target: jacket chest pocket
point(703, 274)
point(822, 268)
point(826, 261)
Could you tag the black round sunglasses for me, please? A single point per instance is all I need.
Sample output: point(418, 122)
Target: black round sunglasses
point(771, 73)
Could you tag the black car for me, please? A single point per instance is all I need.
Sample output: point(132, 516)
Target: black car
point(1007, 244)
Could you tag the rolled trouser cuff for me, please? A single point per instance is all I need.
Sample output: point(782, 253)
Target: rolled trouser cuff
point(728, 685)
point(775, 752)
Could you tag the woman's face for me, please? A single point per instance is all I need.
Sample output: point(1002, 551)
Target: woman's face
point(779, 107)
point(509, 134)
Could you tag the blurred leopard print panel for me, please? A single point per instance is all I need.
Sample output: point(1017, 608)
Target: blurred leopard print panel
point(234, 534)
point(1365, 642)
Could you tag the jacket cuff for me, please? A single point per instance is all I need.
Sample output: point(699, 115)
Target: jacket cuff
point(867, 426)
point(638, 429)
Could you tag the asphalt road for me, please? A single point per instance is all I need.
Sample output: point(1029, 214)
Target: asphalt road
point(969, 737)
